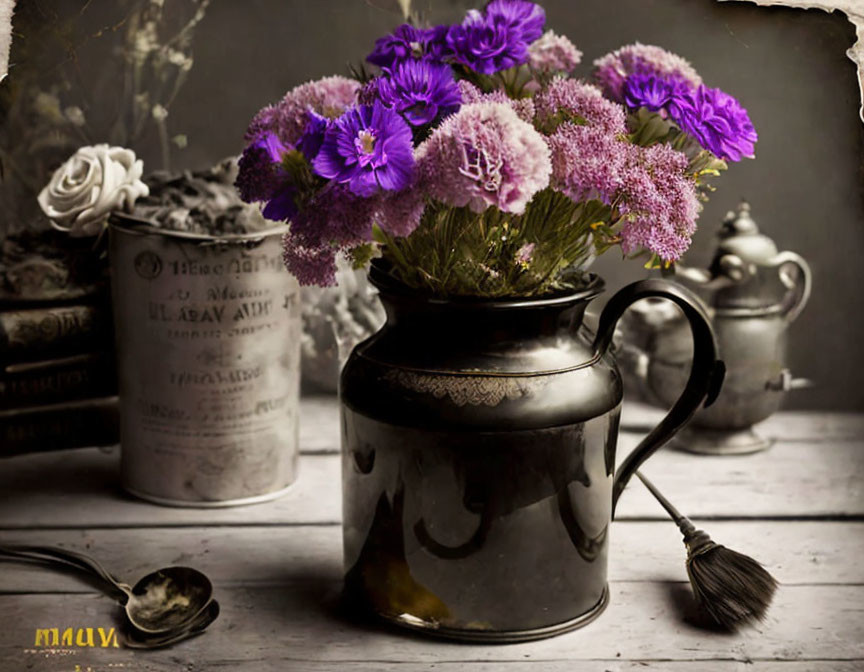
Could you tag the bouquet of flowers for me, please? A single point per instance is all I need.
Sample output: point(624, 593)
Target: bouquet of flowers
point(473, 162)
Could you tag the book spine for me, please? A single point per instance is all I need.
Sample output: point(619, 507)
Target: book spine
point(25, 333)
point(91, 422)
point(78, 377)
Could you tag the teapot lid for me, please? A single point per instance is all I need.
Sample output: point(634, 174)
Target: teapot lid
point(740, 236)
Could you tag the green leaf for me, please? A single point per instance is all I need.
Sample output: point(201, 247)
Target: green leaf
point(648, 128)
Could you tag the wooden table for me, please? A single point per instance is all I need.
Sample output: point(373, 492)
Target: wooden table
point(277, 567)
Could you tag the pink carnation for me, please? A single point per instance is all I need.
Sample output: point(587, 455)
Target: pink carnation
point(328, 97)
point(484, 155)
point(553, 53)
point(523, 107)
point(567, 99)
point(611, 70)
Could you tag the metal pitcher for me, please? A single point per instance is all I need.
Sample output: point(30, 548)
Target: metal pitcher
point(478, 458)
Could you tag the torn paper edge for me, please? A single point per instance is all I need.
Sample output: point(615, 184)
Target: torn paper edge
point(7, 7)
point(854, 11)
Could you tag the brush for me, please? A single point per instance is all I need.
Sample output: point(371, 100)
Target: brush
point(732, 588)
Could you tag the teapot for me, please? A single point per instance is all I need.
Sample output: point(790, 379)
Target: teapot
point(753, 293)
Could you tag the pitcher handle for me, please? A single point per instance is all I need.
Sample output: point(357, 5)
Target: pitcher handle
point(706, 372)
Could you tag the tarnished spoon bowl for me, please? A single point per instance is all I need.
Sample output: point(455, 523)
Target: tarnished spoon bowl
point(139, 640)
point(167, 599)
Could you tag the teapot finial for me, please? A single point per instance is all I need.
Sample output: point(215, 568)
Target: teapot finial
point(739, 222)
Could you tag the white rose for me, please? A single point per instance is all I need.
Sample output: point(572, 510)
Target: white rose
point(94, 182)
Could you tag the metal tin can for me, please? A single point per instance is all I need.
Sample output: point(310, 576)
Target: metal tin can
point(208, 341)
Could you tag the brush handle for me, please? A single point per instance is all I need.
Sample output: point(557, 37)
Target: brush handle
point(676, 515)
point(696, 540)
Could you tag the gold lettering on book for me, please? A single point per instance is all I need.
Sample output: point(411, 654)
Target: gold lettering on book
point(80, 637)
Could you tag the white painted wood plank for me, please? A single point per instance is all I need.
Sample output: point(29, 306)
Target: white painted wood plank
point(89, 661)
point(796, 479)
point(302, 622)
point(81, 489)
point(616, 665)
point(794, 552)
point(319, 424)
point(783, 426)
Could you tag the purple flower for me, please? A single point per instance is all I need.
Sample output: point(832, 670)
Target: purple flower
point(408, 42)
point(421, 91)
point(497, 39)
point(368, 148)
point(717, 121)
point(612, 70)
point(654, 92)
point(368, 93)
point(313, 137)
point(528, 17)
point(260, 177)
point(484, 155)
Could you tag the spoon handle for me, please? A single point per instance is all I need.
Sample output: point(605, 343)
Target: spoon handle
point(65, 558)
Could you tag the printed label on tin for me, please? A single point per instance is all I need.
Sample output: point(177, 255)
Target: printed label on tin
point(209, 362)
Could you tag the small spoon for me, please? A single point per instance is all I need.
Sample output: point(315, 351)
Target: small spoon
point(164, 601)
point(135, 640)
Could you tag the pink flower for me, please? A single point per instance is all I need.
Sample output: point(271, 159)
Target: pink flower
point(659, 202)
point(553, 53)
point(571, 100)
point(310, 264)
point(649, 187)
point(523, 107)
point(611, 70)
point(482, 156)
point(328, 97)
point(333, 221)
point(525, 254)
point(588, 162)
point(335, 216)
point(399, 213)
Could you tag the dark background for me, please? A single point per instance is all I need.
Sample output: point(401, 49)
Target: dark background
point(788, 68)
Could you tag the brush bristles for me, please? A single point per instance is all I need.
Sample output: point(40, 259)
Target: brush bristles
point(733, 589)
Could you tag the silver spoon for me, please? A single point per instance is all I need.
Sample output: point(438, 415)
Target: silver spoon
point(165, 601)
point(134, 640)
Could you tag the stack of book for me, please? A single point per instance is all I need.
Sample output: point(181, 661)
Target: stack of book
point(58, 383)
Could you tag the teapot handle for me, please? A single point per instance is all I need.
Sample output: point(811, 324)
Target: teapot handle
point(706, 372)
point(799, 287)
